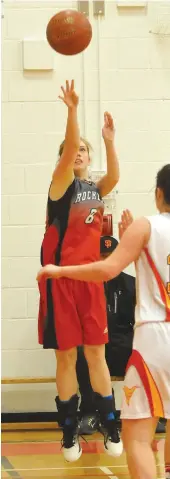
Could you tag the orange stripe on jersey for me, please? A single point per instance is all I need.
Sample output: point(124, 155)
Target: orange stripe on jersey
point(151, 390)
point(164, 295)
point(158, 410)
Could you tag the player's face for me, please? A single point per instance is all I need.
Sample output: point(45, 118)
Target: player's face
point(82, 161)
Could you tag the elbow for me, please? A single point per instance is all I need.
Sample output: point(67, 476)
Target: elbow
point(118, 176)
point(110, 269)
point(115, 182)
point(116, 173)
point(108, 274)
point(115, 178)
point(111, 183)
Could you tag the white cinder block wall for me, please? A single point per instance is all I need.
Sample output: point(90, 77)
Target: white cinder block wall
point(126, 70)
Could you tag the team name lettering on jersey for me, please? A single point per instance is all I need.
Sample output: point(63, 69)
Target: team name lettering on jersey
point(87, 196)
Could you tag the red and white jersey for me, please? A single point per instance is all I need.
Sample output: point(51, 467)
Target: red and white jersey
point(153, 273)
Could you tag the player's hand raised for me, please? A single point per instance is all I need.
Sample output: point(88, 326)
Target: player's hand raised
point(49, 271)
point(70, 97)
point(126, 220)
point(108, 130)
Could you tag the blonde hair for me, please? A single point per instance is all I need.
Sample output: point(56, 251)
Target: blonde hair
point(88, 146)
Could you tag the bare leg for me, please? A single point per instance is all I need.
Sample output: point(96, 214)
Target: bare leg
point(85, 388)
point(98, 370)
point(66, 377)
point(137, 437)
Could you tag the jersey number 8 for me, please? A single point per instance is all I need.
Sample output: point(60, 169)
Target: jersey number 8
point(90, 217)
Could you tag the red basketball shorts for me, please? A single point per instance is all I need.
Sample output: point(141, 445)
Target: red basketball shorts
point(75, 314)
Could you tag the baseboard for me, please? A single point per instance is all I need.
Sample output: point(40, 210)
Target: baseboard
point(24, 417)
point(29, 417)
point(13, 417)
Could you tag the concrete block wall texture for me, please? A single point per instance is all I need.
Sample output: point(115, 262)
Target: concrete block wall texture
point(125, 70)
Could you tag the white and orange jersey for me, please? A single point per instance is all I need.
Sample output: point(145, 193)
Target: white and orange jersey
point(153, 273)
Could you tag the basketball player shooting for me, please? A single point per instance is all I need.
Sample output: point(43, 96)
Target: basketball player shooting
point(147, 383)
point(73, 313)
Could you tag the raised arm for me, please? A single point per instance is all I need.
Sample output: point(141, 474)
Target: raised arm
point(108, 181)
point(63, 174)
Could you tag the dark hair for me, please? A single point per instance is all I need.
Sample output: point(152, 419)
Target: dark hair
point(88, 146)
point(163, 182)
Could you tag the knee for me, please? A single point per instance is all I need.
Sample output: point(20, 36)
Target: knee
point(94, 355)
point(67, 359)
point(136, 433)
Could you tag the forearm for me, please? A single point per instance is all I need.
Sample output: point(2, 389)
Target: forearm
point(72, 136)
point(94, 272)
point(70, 150)
point(112, 161)
point(111, 178)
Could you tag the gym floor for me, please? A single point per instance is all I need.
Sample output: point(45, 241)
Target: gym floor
point(37, 453)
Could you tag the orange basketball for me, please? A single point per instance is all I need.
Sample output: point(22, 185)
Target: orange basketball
point(69, 32)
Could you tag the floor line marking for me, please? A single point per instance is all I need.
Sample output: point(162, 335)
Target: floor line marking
point(70, 468)
point(63, 468)
point(8, 467)
point(108, 472)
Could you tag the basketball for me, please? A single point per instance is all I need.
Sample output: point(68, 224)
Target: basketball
point(69, 32)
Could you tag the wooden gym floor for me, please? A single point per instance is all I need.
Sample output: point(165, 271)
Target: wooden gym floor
point(37, 453)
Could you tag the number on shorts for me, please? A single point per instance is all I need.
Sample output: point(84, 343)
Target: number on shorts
point(90, 217)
